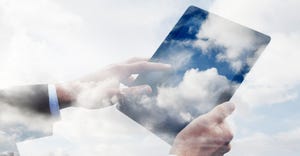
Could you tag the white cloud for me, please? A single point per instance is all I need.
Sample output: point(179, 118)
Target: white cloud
point(260, 144)
point(41, 40)
point(45, 41)
point(79, 37)
point(179, 60)
point(7, 142)
point(17, 125)
point(237, 41)
point(97, 132)
point(274, 78)
point(269, 16)
point(175, 106)
point(37, 35)
point(199, 91)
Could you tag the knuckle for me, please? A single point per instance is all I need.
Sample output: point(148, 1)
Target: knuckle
point(226, 149)
point(218, 109)
point(143, 63)
point(123, 67)
point(116, 67)
point(229, 136)
point(229, 147)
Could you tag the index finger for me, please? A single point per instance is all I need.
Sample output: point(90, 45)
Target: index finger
point(145, 66)
point(220, 112)
point(136, 59)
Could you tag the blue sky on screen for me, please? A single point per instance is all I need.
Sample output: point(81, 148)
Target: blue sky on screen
point(206, 51)
point(187, 38)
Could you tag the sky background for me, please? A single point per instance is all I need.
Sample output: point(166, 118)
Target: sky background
point(48, 41)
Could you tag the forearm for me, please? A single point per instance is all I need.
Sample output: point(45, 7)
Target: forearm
point(33, 98)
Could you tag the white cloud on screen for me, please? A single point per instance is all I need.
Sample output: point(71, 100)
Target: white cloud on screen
point(236, 39)
point(196, 94)
point(180, 59)
point(198, 91)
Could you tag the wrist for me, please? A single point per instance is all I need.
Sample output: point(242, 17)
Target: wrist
point(66, 94)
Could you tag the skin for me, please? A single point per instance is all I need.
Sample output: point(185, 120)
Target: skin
point(122, 72)
point(208, 135)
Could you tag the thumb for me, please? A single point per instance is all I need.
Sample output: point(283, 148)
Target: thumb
point(220, 112)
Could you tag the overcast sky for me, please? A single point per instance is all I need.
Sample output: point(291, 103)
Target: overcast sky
point(47, 41)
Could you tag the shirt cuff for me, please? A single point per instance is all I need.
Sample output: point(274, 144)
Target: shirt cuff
point(53, 101)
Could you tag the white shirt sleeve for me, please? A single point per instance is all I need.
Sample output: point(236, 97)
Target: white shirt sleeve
point(53, 101)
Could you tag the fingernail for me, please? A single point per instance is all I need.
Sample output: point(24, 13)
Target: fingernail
point(147, 89)
point(231, 106)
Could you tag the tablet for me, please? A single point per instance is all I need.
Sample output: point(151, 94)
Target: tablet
point(210, 57)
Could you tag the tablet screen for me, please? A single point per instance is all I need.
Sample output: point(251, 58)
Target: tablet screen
point(210, 57)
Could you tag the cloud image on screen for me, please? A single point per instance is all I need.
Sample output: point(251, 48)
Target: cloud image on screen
point(210, 57)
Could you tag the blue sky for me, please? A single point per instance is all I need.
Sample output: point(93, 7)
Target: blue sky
point(266, 118)
point(273, 119)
